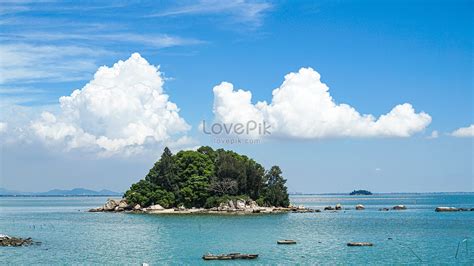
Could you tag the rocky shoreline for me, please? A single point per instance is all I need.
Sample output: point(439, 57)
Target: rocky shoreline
point(239, 206)
point(8, 241)
point(453, 209)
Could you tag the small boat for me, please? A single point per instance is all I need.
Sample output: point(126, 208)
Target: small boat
point(231, 256)
point(286, 242)
point(359, 244)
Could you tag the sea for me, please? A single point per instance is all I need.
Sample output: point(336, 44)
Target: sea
point(70, 235)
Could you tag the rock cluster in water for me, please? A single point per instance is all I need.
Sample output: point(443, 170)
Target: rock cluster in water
point(338, 207)
point(452, 209)
point(239, 206)
point(8, 241)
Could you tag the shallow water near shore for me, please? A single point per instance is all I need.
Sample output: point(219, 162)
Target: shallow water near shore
point(70, 235)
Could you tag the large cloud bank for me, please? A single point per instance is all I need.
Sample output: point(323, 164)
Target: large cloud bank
point(464, 132)
point(302, 107)
point(122, 110)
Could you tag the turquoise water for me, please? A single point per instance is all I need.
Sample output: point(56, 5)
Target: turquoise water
point(69, 235)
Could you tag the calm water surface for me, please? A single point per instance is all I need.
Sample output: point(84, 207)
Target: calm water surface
point(70, 235)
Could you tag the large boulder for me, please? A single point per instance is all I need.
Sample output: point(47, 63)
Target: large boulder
point(110, 205)
point(137, 207)
point(240, 204)
point(123, 204)
point(224, 206)
point(231, 204)
point(338, 207)
point(360, 207)
point(252, 204)
point(446, 209)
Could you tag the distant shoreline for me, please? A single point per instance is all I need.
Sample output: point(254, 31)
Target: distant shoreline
point(378, 193)
point(52, 196)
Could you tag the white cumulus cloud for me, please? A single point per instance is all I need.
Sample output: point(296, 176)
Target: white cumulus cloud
point(3, 127)
point(434, 135)
point(121, 110)
point(302, 107)
point(464, 132)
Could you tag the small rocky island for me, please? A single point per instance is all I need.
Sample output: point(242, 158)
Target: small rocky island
point(206, 181)
point(360, 192)
point(8, 241)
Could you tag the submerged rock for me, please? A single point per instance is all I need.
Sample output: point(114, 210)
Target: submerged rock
point(7, 241)
point(384, 209)
point(98, 209)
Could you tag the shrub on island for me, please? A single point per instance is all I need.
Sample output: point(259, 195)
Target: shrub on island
point(206, 178)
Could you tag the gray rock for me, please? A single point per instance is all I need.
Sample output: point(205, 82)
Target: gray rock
point(110, 205)
point(253, 204)
point(338, 207)
point(156, 207)
point(360, 207)
point(399, 207)
point(446, 209)
point(98, 209)
point(240, 204)
point(7, 241)
point(231, 204)
point(123, 204)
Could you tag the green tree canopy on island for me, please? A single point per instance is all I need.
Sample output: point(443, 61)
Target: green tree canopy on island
point(206, 177)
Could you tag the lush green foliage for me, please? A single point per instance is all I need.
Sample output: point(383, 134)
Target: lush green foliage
point(207, 177)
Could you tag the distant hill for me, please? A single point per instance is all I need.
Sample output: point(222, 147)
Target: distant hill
point(60, 192)
point(6, 192)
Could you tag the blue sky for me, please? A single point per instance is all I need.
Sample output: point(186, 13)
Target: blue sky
point(372, 55)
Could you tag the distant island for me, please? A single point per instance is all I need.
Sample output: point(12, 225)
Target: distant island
point(360, 192)
point(60, 192)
